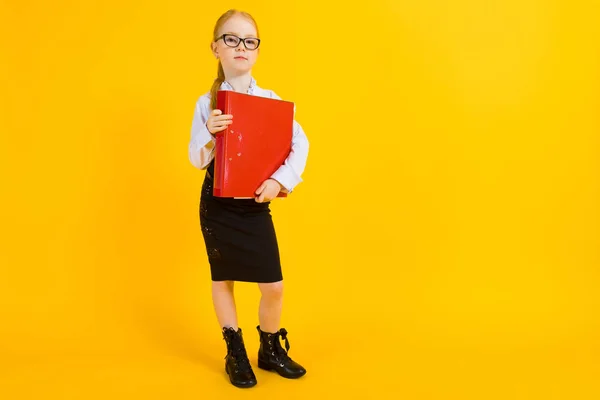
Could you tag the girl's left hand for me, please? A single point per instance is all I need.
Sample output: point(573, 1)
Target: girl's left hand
point(267, 191)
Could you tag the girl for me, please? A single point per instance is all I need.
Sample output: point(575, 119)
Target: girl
point(239, 235)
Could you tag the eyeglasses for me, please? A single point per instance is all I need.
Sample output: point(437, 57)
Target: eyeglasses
point(234, 41)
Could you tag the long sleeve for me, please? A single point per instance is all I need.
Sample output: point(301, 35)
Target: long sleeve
point(202, 144)
point(289, 175)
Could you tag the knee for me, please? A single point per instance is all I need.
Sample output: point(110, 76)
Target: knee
point(222, 286)
point(272, 290)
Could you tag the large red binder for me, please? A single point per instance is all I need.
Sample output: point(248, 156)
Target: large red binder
point(254, 145)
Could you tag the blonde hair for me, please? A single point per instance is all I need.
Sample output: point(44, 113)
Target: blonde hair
point(220, 73)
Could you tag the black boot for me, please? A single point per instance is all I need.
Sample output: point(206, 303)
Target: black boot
point(271, 356)
point(237, 364)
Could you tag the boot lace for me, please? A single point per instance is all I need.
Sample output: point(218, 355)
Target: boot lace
point(279, 349)
point(241, 358)
point(239, 354)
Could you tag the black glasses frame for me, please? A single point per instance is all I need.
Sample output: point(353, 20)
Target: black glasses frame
point(239, 39)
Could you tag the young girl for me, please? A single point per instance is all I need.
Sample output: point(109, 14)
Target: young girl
point(239, 235)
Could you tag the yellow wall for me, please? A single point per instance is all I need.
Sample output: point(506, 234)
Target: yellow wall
point(444, 244)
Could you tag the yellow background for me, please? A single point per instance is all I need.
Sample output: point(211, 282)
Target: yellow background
point(444, 244)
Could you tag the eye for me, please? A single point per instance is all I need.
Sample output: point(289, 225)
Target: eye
point(252, 42)
point(231, 40)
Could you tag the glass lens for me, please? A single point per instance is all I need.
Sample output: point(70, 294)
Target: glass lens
point(252, 43)
point(231, 40)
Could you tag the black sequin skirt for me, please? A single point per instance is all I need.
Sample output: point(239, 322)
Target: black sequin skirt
point(240, 238)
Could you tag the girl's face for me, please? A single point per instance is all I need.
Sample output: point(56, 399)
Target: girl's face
point(236, 57)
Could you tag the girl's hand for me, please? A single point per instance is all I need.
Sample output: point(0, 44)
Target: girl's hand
point(267, 191)
point(217, 122)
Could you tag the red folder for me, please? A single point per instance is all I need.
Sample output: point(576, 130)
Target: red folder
point(254, 145)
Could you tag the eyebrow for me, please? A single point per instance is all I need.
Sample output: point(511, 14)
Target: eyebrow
point(238, 35)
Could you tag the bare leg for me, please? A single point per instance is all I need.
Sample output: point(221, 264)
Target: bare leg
point(271, 304)
point(224, 304)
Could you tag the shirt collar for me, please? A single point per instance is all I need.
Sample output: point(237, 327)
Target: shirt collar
point(226, 86)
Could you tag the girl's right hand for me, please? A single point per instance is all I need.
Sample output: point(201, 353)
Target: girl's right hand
point(217, 122)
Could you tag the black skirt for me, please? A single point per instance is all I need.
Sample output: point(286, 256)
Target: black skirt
point(240, 238)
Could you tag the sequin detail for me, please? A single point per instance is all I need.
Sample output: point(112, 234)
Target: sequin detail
point(207, 230)
point(207, 189)
point(213, 253)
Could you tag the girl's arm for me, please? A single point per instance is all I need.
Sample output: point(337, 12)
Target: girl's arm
point(202, 144)
point(289, 175)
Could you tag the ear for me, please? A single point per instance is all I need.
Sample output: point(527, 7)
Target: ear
point(214, 49)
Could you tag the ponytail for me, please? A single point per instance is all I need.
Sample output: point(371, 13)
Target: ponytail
point(216, 86)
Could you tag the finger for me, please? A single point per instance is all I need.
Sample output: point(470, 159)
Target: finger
point(261, 198)
point(217, 129)
point(261, 188)
point(216, 111)
point(222, 122)
point(226, 117)
point(267, 194)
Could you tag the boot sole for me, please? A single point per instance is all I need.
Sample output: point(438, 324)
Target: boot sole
point(267, 367)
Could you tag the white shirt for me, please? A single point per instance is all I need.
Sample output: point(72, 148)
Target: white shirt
point(202, 143)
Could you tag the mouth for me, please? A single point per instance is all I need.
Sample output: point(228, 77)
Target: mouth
point(240, 58)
